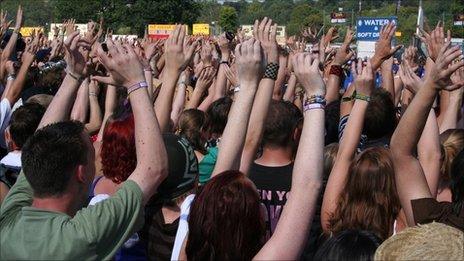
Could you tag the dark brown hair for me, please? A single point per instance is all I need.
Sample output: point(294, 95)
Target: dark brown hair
point(226, 222)
point(369, 200)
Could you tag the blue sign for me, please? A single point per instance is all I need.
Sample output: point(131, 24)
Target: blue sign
point(368, 28)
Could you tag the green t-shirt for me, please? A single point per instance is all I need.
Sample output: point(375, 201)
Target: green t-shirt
point(206, 165)
point(94, 233)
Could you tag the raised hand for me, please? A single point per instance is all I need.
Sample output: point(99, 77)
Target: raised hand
point(206, 78)
point(231, 76)
point(224, 44)
point(265, 32)
point(344, 54)
point(364, 77)
point(383, 49)
point(75, 60)
point(411, 81)
point(443, 68)
point(249, 60)
point(206, 53)
point(307, 73)
point(4, 25)
point(31, 49)
point(435, 40)
point(69, 26)
point(19, 19)
point(178, 54)
point(122, 63)
point(310, 35)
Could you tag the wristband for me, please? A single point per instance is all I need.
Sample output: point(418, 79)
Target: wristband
point(137, 86)
point(76, 77)
point(237, 89)
point(313, 106)
point(271, 71)
point(148, 70)
point(363, 97)
point(224, 62)
point(336, 70)
point(93, 94)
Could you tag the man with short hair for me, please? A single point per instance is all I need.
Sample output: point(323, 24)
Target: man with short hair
point(43, 216)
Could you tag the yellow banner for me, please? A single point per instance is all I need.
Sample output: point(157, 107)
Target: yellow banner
point(27, 31)
point(200, 29)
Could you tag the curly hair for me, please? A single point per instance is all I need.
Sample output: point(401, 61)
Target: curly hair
point(118, 153)
point(369, 200)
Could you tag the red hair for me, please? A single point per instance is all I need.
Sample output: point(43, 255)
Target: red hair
point(226, 222)
point(118, 149)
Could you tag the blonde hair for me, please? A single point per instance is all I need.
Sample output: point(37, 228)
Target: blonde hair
point(452, 142)
point(434, 241)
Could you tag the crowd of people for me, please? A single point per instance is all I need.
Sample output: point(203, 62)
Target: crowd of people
point(229, 147)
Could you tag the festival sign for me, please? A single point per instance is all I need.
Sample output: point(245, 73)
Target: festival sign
point(368, 28)
point(162, 31)
point(338, 18)
point(27, 31)
point(368, 32)
point(200, 29)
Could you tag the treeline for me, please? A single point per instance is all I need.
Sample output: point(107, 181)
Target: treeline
point(131, 16)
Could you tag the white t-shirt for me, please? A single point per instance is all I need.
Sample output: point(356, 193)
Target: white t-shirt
point(5, 115)
point(12, 159)
point(183, 229)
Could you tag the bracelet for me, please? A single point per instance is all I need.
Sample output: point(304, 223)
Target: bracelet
point(137, 86)
point(11, 77)
point(237, 89)
point(224, 62)
point(271, 71)
point(336, 70)
point(313, 106)
point(77, 78)
point(93, 94)
point(315, 99)
point(360, 96)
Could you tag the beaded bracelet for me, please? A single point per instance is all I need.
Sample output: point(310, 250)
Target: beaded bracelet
point(360, 96)
point(136, 87)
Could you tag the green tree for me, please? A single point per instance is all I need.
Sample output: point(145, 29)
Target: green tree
point(228, 18)
point(253, 11)
point(303, 15)
point(36, 13)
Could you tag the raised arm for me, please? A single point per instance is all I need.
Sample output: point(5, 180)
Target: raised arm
point(95, 118)
point(203, 83)
point(221, 80)
point(60, 107)
point(265, 32)
point(383, 49)
point(249, 70)
point(126, 70)
point(410, 180)
point(387, 77)
point(293, 227)
point(81, 105)
point(451, 114)
point(13, 91)
point(342, 56)
point(10, 46)
point(364, 84)
point(177, 57)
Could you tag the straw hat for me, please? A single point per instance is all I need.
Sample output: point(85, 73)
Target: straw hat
point(434, 241)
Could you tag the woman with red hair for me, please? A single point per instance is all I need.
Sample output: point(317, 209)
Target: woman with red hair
point(118, 159)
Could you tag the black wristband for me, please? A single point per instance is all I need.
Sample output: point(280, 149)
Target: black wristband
point(272, 70)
